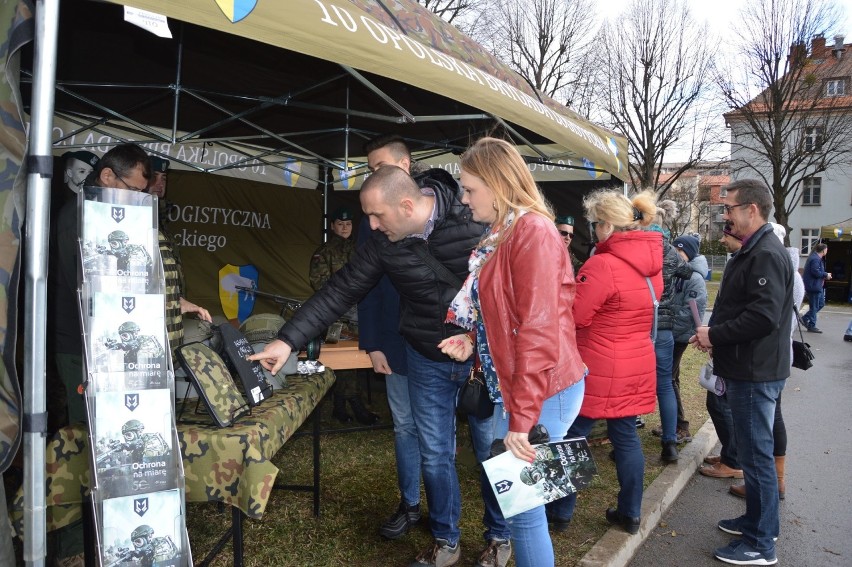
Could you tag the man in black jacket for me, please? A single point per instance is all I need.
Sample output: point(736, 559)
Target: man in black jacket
point(412, 225)
point(750, 341)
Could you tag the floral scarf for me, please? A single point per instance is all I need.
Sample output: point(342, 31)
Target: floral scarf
point(462, 310)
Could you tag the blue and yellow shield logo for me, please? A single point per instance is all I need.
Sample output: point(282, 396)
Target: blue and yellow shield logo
point(236, 10)
point(237, 303)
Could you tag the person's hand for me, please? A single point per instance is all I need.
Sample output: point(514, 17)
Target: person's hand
point(828, 276)
point(519, 445)
point(457, 347)
point(701, 339)
point(200, 312)
point(380, 362)
point(273, 356)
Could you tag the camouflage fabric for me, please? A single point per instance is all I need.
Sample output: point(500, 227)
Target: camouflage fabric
point(174, 290)
point(15, 32)
point(231, 465)
point(329, 258)
point(211, 375)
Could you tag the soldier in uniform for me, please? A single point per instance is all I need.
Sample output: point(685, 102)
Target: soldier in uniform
point(327, 259)
point(133, 344)
point(137, 447)
point(127, 254)
point(149, 551)
point(176, 304)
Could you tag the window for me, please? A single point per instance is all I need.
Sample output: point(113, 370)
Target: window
point(811, 189)
point(810, 236)
point(813, 138)
point(835, 87)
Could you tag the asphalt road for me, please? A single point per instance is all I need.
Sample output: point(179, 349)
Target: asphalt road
point(816, 517)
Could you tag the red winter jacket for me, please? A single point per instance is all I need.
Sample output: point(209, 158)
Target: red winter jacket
point(614, 314)
point(526, 289)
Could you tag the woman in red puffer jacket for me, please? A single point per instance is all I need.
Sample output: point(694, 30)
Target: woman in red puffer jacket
point(614, 314)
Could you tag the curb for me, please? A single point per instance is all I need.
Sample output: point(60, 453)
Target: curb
point(616, 548)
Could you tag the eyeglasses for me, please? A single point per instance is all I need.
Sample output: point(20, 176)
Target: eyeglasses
point(128, 185)
point(729, 208)
point(565, 233)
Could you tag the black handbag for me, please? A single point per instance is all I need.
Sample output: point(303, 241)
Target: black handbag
point(473, 396)
point(802, 354)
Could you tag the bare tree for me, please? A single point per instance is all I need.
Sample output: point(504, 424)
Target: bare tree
point(545, 41)
point(654, 63)
point(786, 125)
point(466, 15)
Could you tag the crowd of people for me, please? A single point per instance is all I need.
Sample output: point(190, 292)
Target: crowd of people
point(445, 274)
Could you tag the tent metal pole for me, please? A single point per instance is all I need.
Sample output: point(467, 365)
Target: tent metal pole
point(40, 170)
point(178, 75)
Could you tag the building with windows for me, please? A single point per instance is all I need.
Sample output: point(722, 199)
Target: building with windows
point(817, 147)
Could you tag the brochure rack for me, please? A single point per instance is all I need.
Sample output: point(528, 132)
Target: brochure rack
point(138, 490)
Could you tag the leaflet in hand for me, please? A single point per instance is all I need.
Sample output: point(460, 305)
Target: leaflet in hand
point(560, 468)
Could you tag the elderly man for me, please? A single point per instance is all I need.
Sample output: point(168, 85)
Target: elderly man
point(422, 238)
point(749, 337)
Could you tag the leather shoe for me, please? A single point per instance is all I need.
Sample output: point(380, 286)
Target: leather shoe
point(630, 525)
point(721, 470)
point(712, 459)
point(737, 490)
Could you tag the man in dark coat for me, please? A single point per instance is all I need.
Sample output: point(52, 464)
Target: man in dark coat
point(750, 341)
point(422, 238)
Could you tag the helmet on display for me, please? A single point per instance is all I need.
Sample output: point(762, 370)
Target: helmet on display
point(530, 475)
point(132, 425)
point(118, 236)
point(142, 531)
point(129, 327)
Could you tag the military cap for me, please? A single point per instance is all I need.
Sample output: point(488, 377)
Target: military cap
point(82, 155)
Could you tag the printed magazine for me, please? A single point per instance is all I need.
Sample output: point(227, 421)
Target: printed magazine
point(560, 468)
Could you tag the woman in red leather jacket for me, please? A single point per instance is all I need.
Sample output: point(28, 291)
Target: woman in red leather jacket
point(518, 300)
point(615, 313)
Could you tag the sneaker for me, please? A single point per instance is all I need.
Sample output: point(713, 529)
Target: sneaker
point(640, 422)
point(814, 330)
point(741, 553)
point(438, 554)
point(733, 527)
point(847, 337)
point(495, 554)
point(400, 521)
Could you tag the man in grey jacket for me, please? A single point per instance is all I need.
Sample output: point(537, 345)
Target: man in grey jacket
point(750, 341)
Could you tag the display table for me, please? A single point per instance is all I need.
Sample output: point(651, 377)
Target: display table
point(232, 465)
point(344, 355)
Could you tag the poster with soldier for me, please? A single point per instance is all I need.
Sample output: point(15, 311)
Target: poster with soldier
point(134, 449)
point(127, 334)
point(119, 242)
point(143, 531)
point(560, 468)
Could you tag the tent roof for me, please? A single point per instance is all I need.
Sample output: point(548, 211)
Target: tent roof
point(346, 71)
point(838, 231)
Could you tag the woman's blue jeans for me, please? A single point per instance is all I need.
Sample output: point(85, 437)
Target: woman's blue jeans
point(629, 465)
point(530, 537)
point(664, 349)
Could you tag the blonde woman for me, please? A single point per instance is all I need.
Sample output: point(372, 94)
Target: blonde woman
point(614, 313)
point(518, 301)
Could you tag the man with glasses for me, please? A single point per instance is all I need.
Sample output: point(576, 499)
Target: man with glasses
point(123, 167)
point(749, 337)
point(565, 226)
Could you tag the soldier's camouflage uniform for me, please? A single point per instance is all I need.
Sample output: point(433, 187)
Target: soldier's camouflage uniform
point(327, 259)
point(146, 345)
point(131, 255)
point(174, 290)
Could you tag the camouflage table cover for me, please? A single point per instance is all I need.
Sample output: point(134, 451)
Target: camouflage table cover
point(231, 465)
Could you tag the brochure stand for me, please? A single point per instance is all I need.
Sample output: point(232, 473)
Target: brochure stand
point(138, 491)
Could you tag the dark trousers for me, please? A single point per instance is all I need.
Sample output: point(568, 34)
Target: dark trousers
point(720, 413)
point(679, 349)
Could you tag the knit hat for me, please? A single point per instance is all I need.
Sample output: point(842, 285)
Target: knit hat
point(82, 155)
point(689, 244)
point(158, 164)
point(341, 213)
point(779, 231)
point(566, 219)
